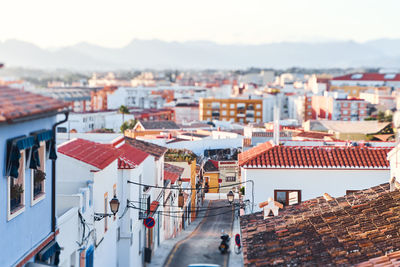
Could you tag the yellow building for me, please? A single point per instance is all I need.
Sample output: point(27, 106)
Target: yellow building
point(185, 159)
point(211, 176)
point(237, 110)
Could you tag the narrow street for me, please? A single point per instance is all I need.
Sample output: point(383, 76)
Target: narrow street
point(202, 245)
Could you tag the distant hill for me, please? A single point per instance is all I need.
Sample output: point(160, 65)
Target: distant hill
point(201, 54)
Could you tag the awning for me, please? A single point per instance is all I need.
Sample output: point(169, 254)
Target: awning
point(49, 251)
point(44, 135)
point(14, 147)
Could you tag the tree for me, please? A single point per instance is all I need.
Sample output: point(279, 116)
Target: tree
point(128, 125)
point(123, 110)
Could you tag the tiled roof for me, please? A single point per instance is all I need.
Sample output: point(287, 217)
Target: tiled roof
point(210, 166)
point(389, 260)
point(364, 127)
point(368, 77)
point(150, 148)
point(172, 172)
point(316, 157)
point(153, 206)
point(252, 152)
point(343, 231)
point(130, 157)
point(313, 135)
point(92, 153)
point(158, 125)
point(16, 103)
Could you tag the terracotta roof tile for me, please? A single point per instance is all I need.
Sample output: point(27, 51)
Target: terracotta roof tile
point(130, 156)
point(16, 103)
point(92, 153)
point(267, 155)
point(172, 172)
point(348, 230)
point(150, 148)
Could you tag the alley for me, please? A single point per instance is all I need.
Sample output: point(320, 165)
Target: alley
point(202, 245)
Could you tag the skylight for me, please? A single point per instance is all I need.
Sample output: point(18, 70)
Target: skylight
point(356, 76)
point(390, 76)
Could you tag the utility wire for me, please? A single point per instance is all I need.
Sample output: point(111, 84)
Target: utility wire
point(173, 206)
point(176, 211)
point(174, 216)
point(190, 188)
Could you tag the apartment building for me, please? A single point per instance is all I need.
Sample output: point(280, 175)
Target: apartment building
point(236, 110)
point(340, 109)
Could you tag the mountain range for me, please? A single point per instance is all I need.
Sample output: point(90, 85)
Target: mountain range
point(158, 54)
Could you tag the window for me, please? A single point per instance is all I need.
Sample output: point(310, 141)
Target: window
point(208, 112)
point(224, 112)
point(345, 112)
point(232, 105)
point(361, 111)
point(16, 188)
point(345, 105)
point(230, 178)
point(258, 113)
point(224, 105)
point(105, 212)
point(287, 197)
point(38, 175)
point(258, 106)
point(232, 113)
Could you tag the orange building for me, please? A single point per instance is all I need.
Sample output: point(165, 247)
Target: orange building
point(237, 110)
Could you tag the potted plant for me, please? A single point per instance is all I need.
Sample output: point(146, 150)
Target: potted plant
point(15, 195)
point(38, 178)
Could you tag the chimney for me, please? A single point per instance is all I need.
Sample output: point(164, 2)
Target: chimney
point(394, 185)
point(328, 197)
point(270, 207)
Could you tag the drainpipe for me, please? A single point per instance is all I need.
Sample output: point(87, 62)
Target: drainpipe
point(53, 177)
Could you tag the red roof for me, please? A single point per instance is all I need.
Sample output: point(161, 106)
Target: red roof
point(368, 77)
point(172, 172)
point(252, 152)
point(317, 157)
point(130, 156)
point(16, 103)
point(154, 206)
point(92, 153)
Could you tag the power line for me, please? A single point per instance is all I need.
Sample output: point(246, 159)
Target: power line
point(191, 188)
point(173, 206)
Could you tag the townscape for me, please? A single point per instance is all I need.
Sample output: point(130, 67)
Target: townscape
point(296, 169)
point(199, 133)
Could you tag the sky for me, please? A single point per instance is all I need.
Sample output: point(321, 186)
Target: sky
point(114, 23)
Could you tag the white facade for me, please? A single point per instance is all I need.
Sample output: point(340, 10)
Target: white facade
point(104, 187)
point(141, 97)
point(89, 121)
point(312, 182)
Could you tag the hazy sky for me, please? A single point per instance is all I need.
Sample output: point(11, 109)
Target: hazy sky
point(114, 23)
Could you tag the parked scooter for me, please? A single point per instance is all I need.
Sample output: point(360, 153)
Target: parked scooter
point(224, 246)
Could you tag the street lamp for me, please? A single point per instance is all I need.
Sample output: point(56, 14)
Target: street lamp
point(230, 196)
point(114, 206)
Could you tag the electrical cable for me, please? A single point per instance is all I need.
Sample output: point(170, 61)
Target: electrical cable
point(173, 206)
point(190, 188)
point(168, 213)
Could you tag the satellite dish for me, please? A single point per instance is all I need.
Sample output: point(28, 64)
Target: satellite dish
point(396, 119)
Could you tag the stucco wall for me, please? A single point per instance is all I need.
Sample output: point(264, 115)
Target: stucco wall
point(311, 182)
point(32, 226)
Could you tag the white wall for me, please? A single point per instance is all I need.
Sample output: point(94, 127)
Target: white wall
point(311, 182)
point(68, 225)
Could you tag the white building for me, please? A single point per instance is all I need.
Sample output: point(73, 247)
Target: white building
point(291, 174)
point(81, 164)
point(89, 121)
